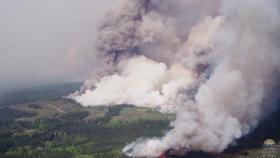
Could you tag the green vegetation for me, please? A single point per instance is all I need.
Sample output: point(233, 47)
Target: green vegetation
point(49, 92)
point(37, 123)
point(72, 131)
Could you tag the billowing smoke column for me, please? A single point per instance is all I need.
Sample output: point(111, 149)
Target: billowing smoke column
point(144, 45)
point(214, 63)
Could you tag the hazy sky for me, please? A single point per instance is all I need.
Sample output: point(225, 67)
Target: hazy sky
point(43, 41)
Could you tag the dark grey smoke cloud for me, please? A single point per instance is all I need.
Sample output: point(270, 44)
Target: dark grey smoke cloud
point(43, 41)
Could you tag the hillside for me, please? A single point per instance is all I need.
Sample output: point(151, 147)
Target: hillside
point(49, 127)
point(62, 128)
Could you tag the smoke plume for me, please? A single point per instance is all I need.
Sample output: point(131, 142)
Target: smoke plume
point(214, 63)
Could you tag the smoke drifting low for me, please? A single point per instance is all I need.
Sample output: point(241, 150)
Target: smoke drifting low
point(142, 82)
point(214, 63)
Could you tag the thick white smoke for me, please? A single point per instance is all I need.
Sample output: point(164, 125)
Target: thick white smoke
point(143, 46)
point(141, 82)
point(216, 67)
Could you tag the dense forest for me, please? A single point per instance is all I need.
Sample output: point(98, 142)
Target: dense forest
point(70, 135)
point(31, 126)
